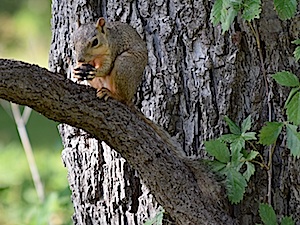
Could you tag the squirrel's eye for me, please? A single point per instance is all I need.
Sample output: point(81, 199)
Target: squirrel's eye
point(95, 42)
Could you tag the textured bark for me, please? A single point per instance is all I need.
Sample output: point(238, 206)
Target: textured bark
point(163, 170)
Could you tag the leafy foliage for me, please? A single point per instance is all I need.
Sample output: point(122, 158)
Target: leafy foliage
point(232, 126)
point(216, 12)
point(229, 151)
point(251, 9)
point(230, 156)
point(268, 216)
point(293, 109)
point(292, 104)
point(218, 150)
point(293, 140)
point(235, 185)
point(286, 79)
point(290, 80)
point(297, 42)
point(297, 50)
point(297, 53)
point(224, 11)
point(287, 220)
point(286, 9)
point(269, 133)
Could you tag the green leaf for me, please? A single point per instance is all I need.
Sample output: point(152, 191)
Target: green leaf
point(246, 124)
point(296, 42)
point(293, 140)
point(251, 155)
point(291, 95)
point(293, 109)
point(227, 18)
point(286, 78)
point(215, 15)
point(236, 158)
point(236, 4)
point(232, 126)
point(267, 214)
point(224, 12)
point(217, 166)
point(235, 185)
point(269, 133)
point(287, 220)
point(218, 149)
point(249, 171)
point(229, 137)
point(249, 136)
point(297, 50)
point(252, 9)
point(238, 144)
point(297, 53)
point(286, 9)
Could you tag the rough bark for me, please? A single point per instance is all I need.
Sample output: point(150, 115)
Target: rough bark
point(163, 170)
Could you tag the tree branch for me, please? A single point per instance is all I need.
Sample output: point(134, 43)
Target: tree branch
point(167, 175)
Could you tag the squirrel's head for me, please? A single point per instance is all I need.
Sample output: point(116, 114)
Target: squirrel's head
point(90, 41)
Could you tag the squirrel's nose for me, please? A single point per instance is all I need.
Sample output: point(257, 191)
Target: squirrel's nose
point(80, 57)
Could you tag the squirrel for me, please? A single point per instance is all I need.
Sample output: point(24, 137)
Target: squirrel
point(112, 57)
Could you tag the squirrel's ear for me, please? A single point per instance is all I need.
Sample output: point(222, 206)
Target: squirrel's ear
point(101, 24)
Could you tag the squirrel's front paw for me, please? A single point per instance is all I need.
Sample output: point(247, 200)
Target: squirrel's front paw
point(84, 72)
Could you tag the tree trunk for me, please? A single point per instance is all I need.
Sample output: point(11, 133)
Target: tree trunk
point(105, 189)
point(194, 77)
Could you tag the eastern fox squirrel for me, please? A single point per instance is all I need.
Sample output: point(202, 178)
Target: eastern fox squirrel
point(112, 57)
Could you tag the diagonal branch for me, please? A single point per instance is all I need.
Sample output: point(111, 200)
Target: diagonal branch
point(167, 175)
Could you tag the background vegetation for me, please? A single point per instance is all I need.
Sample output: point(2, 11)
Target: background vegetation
point(25, 35)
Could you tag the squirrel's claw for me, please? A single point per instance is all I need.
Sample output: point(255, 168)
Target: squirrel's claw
point(104, 93)
point(84, 72)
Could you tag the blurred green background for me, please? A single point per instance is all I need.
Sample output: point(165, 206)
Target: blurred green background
point(25, 35)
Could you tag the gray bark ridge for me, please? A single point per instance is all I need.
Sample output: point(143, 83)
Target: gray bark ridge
point(166, 174)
